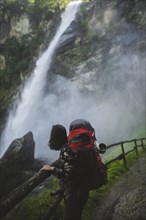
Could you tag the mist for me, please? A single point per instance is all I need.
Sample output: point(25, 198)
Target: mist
point(116, 106)
point(115, 111)
point(111, 97)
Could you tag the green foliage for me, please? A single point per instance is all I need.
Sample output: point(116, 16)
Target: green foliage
point(84, 26)
point(115, 172)
point(18, 54)
point(33, 207)
point(51, 5)
point(36, 9)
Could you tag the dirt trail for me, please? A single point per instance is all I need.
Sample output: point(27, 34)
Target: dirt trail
point(126, 200)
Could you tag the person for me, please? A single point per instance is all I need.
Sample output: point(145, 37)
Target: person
point(71, 181)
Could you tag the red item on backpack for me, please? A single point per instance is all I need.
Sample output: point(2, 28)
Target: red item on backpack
point(81, 138)
point(90, 172)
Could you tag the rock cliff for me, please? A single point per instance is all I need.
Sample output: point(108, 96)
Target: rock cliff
point(89, 49)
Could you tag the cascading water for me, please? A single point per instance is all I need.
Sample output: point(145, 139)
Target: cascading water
point(32, 112)
point(112, 81)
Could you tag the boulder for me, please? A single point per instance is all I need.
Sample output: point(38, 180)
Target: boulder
point(18, 158)
point(20, 153)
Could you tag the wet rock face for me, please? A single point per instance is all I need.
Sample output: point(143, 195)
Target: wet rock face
point(14, 26)
point(67, 40)
point(18, 159)
point(20, 152)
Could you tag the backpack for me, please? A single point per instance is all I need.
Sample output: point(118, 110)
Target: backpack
point(89, 170)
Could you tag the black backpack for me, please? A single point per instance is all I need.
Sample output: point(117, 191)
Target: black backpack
point(88, 172)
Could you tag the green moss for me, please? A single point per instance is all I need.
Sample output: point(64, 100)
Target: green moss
point(33, 207)
point(18, 55)
point(115, 173)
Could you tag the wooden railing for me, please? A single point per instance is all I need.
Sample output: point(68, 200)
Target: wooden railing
point(123, 154)
point(22, 191)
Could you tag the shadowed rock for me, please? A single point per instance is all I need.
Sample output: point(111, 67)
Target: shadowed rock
point(20, 152)
point(68, 38)
point(18, 158)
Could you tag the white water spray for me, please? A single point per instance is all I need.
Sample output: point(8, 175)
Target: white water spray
point(115, 107)
point(32, 111)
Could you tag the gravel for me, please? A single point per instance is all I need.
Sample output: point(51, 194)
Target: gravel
point(126, 200)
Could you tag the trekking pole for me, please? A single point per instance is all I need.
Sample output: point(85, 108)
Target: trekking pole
point(53, 207)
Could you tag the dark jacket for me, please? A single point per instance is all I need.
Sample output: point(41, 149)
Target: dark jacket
point(65, 166)
point(74, 169)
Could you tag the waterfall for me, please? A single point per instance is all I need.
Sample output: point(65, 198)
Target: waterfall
point(33, 112)
point(108, 89)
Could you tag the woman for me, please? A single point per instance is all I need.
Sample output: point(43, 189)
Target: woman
point(66, 169)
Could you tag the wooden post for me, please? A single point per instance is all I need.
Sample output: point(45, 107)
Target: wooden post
point(136, 147)
point(53, 207)
point(124, 158)
point(142, 143)
point(22, 191)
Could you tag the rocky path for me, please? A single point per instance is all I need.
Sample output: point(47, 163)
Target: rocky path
point(126, 200)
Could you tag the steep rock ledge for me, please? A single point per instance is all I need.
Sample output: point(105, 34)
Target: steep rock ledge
point(101, 32)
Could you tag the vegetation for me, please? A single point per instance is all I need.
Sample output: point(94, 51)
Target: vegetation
point(115, 173)
point(51, 5)
point(34, 206)
point(17, 54)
